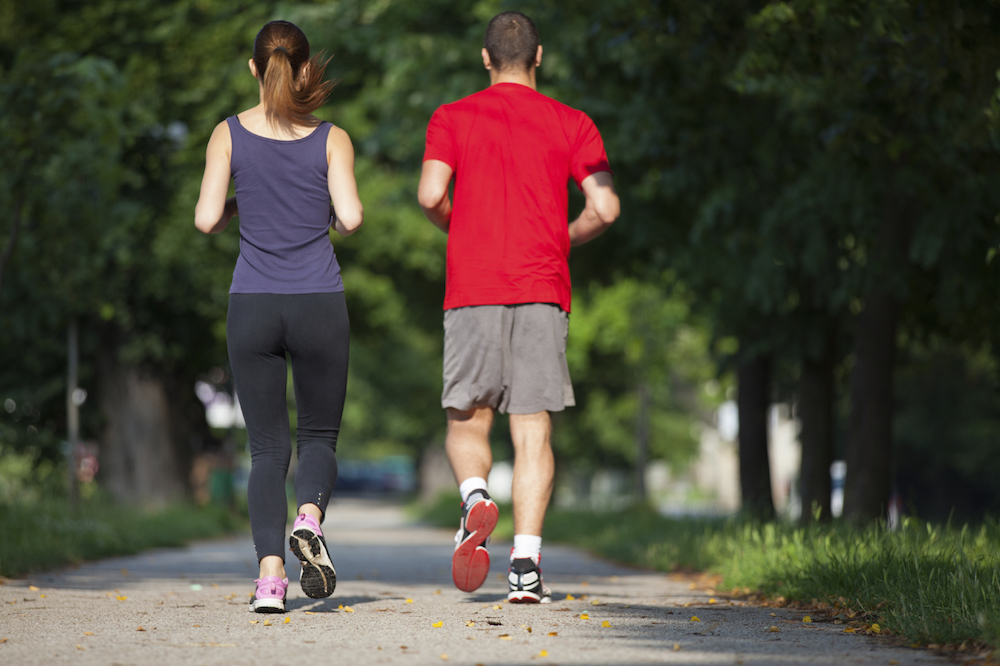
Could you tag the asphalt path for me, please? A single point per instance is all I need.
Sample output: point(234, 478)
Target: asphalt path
point(395, 604)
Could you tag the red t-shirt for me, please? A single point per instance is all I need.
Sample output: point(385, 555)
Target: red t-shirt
point(513, 151)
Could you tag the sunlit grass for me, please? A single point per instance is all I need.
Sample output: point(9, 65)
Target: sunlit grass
point(930, 584)
point(43, 533)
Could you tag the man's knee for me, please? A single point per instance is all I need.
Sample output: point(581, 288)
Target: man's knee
point(477, 417)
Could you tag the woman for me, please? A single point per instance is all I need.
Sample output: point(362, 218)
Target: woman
point(286, 297)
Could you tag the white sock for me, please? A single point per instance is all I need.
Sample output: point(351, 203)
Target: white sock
point(470, 484)
point(526, 545)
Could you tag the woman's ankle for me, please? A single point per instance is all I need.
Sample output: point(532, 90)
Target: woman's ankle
point(272, 565)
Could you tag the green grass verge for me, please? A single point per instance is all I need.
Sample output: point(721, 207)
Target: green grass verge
point(928, 584)
point(42, 534)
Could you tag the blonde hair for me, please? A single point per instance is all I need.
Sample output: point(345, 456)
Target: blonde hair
point(293, 85)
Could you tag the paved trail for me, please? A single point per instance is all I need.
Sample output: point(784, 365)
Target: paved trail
point(395, 604)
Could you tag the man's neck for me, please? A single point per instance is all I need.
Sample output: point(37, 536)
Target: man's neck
point(524, 78)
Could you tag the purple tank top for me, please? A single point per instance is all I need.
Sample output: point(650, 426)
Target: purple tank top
point(284, 203)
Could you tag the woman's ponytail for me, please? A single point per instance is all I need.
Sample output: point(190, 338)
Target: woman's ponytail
point(293, 85)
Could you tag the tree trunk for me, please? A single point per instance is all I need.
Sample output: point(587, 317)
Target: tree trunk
point(642, 441)
point(753, 401)
point(869, 441)
point(816, 395)
point(148, 442)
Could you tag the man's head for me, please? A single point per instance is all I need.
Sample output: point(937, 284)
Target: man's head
point(511, 42)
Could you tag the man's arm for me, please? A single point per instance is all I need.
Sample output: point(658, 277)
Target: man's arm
point(602, 208)
point(432, 193)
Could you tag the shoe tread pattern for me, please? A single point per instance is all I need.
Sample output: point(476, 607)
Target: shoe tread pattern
point(319, 578)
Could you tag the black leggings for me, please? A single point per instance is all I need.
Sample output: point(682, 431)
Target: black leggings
point(314, 330)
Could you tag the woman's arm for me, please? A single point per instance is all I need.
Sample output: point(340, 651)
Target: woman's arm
point(214, 210)
point(346, 208)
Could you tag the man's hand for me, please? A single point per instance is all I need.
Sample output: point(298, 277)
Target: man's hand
point(432, 193)
point(602, 208)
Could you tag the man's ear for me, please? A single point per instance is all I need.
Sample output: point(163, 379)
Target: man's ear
point(486, 59)
point(538, 56)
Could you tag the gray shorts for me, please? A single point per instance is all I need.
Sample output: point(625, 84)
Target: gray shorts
point(508, 357)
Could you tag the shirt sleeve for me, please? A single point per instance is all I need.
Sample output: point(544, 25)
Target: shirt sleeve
point(588, 152)
point(440, 144)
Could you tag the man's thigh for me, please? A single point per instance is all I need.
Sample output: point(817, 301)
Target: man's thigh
point(473, 357)
point(539, 374)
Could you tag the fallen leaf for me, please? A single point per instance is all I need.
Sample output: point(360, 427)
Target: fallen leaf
point(584, 584)
point(584, 616)
point(605, 624)
point(287, 620)
point(4, 640)
point(773, 628)
point(695, 618)
point(409, 601)
point(505, 637)
point(33, 588)
point(402, 647)
point(437, 591)
point(80, 647)
point(195, 625)
point(348, 609)
point(543, 653)
point(497, 607)
point(88, 633)
point(807, 619)
point(712, 600)
point(595, 602)
point(140, 628)
point(849, 630)
point(310, 613)
point(876, 628)
point(267, 623)
point(121, 598)
point(341, 606)
point(215, 585)
point(470, 623)
point(254, 621)
point(42, 596)
point(773, 614)
point(570, 597)
point(553, 633)
point(438, 624)
point(444, 657)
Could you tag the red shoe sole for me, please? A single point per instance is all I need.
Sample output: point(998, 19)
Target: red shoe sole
point(471, 563)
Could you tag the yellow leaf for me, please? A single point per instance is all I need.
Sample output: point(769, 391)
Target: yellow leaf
point(121, 598)
point(33, 588)
point(605, 624)
point(254, 621)
point(444, 657)
point(42, 596)
point(773, 628)
point(348, 609)
point(287, 620)
point(497, 607)
point(470, 623)
point(543, 653)
point(712, 600)
point(595, 602)
point(267, 623)
point(695, 618)
point(438, 624)
point(584, 616)
point(88, 633)
point(876, 628)
point(195, 625)
point(139, 628)
point(437, 591)
point(807, 619)
point(341, 606)
point(409, 601)
point(677, 646)
point(505, 637)
point(553, 633)
point(80, 647)
point(4, 640)
point(570, 597)
point(310, 613)
point(773, 614)
point(849, 630)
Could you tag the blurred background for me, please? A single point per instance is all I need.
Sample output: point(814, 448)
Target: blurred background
point(796, 314)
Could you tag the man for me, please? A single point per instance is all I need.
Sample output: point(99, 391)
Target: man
point(511, 151)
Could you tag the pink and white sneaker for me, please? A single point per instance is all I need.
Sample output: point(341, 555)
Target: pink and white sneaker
point(319, 578)
point(269, 596)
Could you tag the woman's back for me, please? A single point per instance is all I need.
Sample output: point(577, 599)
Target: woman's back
point(284, 204)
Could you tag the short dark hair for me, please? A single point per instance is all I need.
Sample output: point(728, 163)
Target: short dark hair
point(511, 41)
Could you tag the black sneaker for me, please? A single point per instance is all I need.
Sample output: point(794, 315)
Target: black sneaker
point(470, 564)
point(525, 583)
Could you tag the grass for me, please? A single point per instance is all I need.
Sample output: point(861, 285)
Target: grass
point(41, 534)
point(932, 585)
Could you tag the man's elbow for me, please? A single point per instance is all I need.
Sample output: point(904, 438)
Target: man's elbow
point(608, 209)
point(429, 198)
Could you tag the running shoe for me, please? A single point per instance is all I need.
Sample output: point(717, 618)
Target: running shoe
point(525, 583)
point(269, 597)
point(471, 562)
point(319, 578)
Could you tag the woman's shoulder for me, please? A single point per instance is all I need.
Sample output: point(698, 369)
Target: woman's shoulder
point(338, 138)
